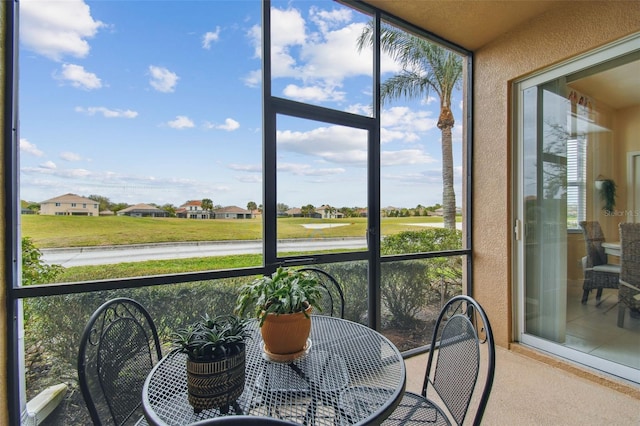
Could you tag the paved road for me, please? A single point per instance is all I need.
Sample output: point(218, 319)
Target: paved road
point(136, 253)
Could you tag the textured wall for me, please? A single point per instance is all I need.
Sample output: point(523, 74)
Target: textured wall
point(575, 28)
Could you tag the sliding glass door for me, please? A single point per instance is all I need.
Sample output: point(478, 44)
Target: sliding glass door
point(574, 130)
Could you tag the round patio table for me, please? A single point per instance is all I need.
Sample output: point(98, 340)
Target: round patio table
point(340, 355)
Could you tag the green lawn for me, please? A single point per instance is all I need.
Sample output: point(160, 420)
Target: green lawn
point(84, 231)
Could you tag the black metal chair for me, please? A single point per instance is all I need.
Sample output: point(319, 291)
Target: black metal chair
point(333, 301)
point(243, 420)
point(598, 272)
point(629, 291)
point(118, 348)
point(453, 371)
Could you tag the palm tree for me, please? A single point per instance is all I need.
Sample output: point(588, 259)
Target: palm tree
point(425, 67)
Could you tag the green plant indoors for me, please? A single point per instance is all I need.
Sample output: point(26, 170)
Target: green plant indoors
point(210, 339)
point(608, 194)
point(286, 291)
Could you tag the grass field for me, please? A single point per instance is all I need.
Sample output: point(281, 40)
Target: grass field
point(85, 231)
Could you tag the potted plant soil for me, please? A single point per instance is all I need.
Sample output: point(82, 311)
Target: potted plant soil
point(282, 303)
point(215, 349)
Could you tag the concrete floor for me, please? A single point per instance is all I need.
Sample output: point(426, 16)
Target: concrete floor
point(527, 391)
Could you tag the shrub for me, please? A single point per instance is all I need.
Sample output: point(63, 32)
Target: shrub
point(34, 270)
point(407, 287)
point(405, 291)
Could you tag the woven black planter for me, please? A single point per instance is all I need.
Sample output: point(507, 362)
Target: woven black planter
point(216, 384)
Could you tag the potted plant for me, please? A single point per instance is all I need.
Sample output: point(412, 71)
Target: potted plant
point(215, 349)
point(282, 303)
point(607, 188)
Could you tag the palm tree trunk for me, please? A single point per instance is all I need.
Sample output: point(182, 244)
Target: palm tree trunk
point(445, 124)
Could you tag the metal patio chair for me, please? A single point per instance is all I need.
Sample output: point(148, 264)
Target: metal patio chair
point(118, 348)
point(457, 368)
point(332, 302)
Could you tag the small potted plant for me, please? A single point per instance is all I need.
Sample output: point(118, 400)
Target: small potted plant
point(215, 349)
point(607, 188)
point(282, 303)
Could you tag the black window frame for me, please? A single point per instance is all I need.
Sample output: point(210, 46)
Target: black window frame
point(272, 106)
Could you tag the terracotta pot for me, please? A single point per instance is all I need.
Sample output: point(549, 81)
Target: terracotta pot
point(286, 333)
point(215, 384)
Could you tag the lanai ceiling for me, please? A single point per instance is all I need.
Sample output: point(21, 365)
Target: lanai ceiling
point(468, 23)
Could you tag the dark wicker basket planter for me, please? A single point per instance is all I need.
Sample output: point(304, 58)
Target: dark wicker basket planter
point(216, 384)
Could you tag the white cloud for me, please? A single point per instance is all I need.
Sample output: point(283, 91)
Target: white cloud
point(313, 93)
point(320, 53)
point(181, 122)
point(254, 168)
point(253, 178)
point(162, 79)
point(325, 20)
point(46, 182)
point(336, 144)
point(405, 157)
point(55, 29)
point(253, 78)
point(78, 77)
point(70, 156)
point(108, 113)
point(402, 123)
point(342, 145)
point(29, 148)
point(229, 125)
point(308, 170)
point(50, 165)
point(360, 109)
point(209, 37)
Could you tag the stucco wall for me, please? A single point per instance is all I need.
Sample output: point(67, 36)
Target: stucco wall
point(551, 38)
point(628, 134)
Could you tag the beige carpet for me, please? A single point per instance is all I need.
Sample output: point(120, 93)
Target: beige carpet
point(529, 392)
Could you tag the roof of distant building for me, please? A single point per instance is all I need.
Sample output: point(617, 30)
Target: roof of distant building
point(69, 198)
point(141, 206)
point(231, 209)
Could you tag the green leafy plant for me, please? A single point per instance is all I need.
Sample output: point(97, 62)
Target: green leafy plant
point(286, 291)
point(34, 270)
point(212, 338)
point(608, 194)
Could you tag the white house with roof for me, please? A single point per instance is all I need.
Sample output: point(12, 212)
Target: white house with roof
point(143, 210)
point(70, 205)
point(193, 210)
point(327, 212)
point(232, 212)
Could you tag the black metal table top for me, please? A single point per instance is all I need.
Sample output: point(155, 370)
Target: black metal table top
point(310, 390)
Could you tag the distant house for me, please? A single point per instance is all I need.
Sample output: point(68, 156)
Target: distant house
point(193, 210)
point(294, 212)
point(70, 205)
point(389, 211)
point(232, 212)
point(143, 210)
point(328, 212)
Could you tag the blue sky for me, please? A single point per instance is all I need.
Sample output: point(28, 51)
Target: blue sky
point(160, 102)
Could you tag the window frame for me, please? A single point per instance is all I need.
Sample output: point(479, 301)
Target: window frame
point(272, 106)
